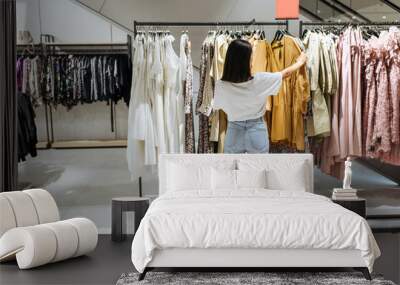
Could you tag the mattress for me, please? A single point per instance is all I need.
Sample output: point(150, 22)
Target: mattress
point(251, 219)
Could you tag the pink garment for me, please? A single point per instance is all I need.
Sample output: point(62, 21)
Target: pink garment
point(345, 103)
point(355, 139)
point(381, 132)
point(393, 48)
point(370, 98)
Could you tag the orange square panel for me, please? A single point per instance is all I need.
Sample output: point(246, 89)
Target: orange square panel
point(287, 9)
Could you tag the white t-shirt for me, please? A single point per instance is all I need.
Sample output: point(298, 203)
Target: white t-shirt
point(246, 100)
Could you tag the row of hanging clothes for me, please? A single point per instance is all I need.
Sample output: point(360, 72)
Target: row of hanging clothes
point(160, 113)
point(67, 75)
point(284, 111)
point(354, 108)
point(28, 97)
point(69, 78)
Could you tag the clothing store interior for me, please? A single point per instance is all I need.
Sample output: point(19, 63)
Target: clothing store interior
point(200, 142)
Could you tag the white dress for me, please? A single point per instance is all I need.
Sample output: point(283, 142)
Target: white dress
point(180, 99)
point(157, 74)
point(141, 150)
point(135, 148)
point(171, 93)
point(150, 157)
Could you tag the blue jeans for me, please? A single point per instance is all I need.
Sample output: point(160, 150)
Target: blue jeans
point(250, 136)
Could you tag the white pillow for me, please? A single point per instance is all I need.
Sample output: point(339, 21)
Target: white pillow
point(293, 178)
point(223, 179)
point(183, 177)
point(251, 178)
point(282, 174)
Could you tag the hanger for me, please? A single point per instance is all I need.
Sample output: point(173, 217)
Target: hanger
point(27, 50)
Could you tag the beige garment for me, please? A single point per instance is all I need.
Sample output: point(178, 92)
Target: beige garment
point(218, 127)
point(214, 126)
point(259, 57)
point(316, 66)
point(220, 48)
point(205, 107)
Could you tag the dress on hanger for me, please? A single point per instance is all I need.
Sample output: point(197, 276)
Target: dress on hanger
point(171, 93)
point(187, 75)
point(291, 102)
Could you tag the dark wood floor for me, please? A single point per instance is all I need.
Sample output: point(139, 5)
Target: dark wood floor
point(102, 266)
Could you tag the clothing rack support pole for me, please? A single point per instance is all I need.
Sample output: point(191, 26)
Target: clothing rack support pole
point(140, 187)
point(129, 43)
point(300, 28)
point(134, 28)
point(46, 111)
point(51, 125)
point(46, 107)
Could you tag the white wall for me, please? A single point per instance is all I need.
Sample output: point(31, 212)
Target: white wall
point(67, 21)
point(70, 23)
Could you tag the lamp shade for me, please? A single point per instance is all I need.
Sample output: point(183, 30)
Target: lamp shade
point(287, 9)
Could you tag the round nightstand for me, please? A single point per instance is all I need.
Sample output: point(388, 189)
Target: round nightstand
point(139, 205)
point(356, 205)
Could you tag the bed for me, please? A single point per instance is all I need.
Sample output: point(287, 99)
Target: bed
point(247, 211)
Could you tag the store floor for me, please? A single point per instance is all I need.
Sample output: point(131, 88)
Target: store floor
point(103, 266)
point(110, 259)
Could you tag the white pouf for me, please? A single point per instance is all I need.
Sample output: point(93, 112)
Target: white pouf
point(31, 232)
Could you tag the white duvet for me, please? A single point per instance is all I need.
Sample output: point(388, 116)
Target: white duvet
point(253, 218)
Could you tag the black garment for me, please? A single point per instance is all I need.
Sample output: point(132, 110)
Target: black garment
point(125, 77)
point(27, 135)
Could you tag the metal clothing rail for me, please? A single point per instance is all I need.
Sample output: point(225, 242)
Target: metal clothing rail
point(137, 24)
point(46, 48)
point(341, 24)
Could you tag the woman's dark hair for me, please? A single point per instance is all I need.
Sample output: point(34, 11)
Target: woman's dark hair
point(237, 62)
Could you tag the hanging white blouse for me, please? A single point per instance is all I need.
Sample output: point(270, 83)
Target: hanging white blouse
point(180, 100)
point(135, 148)
point(157, 75)
point(171, 93)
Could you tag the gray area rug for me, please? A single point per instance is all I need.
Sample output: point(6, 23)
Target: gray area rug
point(243, 278)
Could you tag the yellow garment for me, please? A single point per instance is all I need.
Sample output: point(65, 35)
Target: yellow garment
point(259, 57)
point(291, 102)
point(263, 61)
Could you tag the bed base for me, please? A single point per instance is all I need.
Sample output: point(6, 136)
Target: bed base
point(250, 259)
point(363, 270)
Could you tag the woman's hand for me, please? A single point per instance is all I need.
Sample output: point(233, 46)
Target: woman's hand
point(302, 59)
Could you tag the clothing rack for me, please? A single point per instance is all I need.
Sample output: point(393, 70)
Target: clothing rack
point(37, 51)
point(217, 24)
point(89, 49)
point(46, 48)
point(137, 24)
point(341, 24)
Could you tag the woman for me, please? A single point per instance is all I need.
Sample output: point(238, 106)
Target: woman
point(243, 98)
